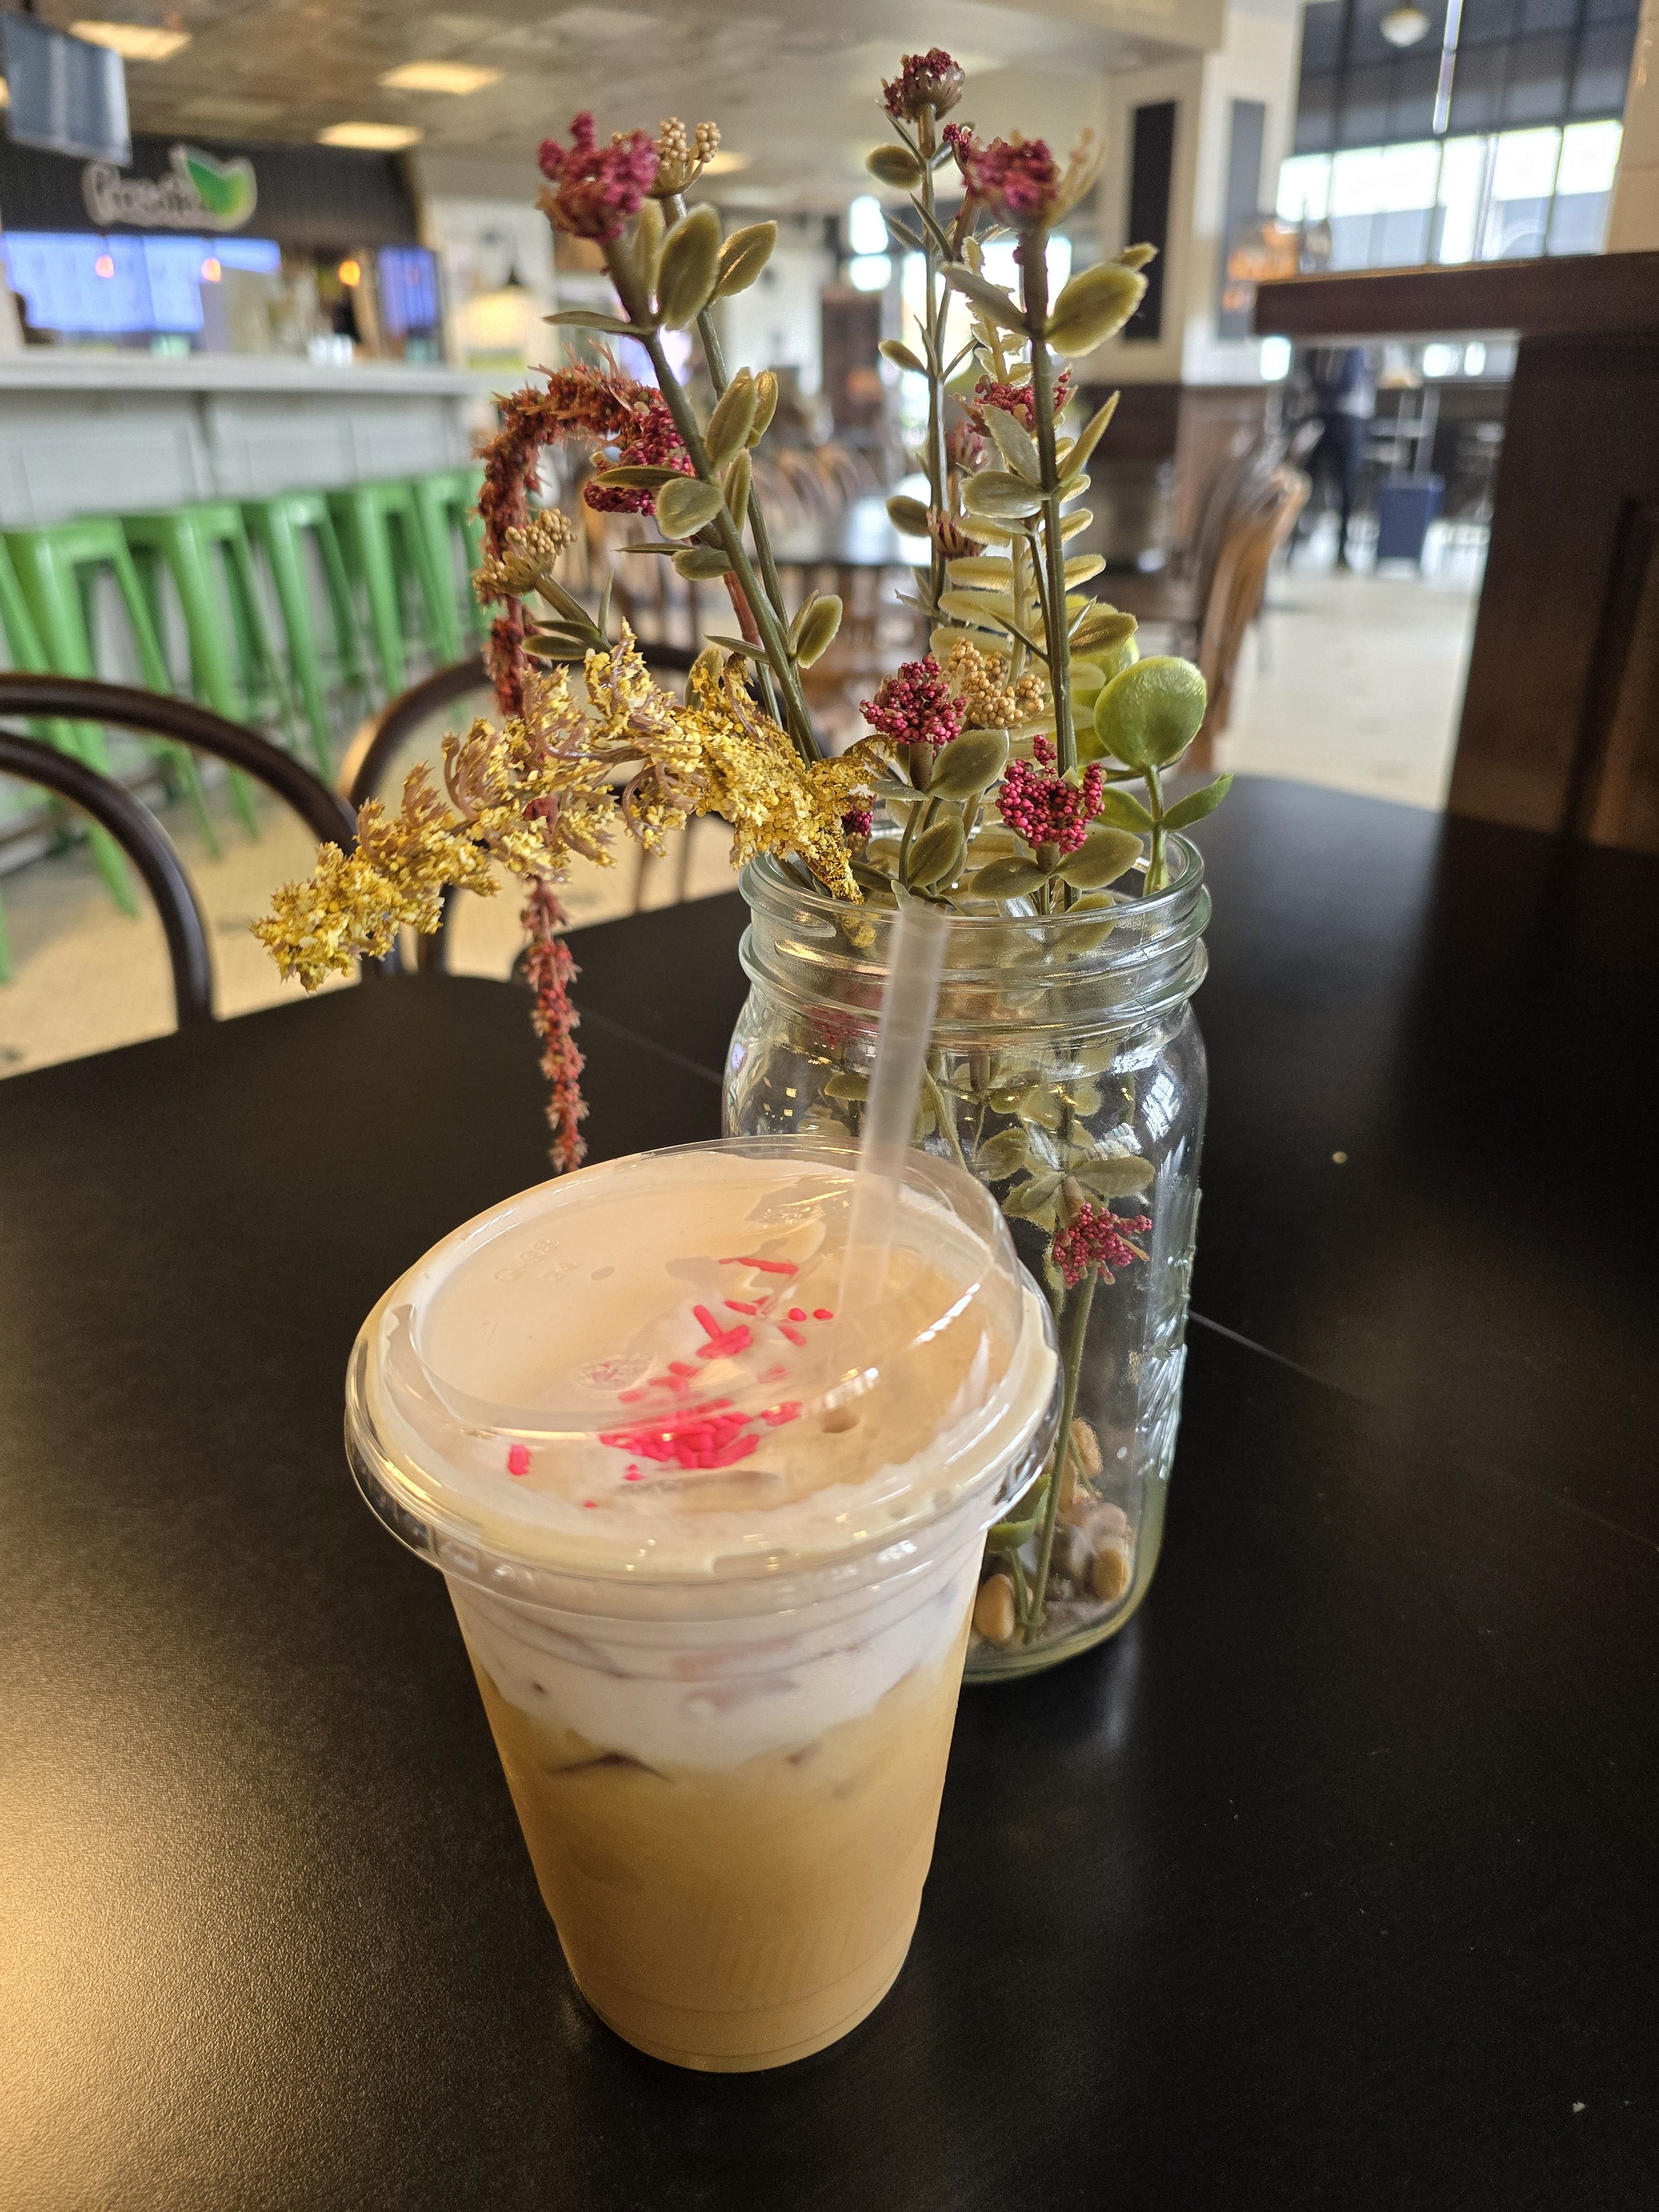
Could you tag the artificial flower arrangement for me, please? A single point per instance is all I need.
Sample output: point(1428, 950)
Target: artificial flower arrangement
point(1013, 776)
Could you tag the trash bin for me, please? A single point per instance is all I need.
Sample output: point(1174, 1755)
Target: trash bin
point(1405, 506)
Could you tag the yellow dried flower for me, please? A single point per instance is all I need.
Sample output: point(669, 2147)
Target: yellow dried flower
point(355, 904)
point(527, 556)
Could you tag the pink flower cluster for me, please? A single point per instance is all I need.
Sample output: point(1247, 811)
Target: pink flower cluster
point(930, 80)
point(1017, 399)
point(651, 441)
point(1017, 179)
point(913, 706)
point(597, 190)
point(1043, 807)
point(1098, 1239)
point(857, 824)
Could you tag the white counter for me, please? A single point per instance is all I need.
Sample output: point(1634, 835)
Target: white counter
point(103, 434)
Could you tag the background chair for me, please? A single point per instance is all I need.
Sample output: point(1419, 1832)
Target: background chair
point(1237, 588)
point(147, 845)
point(183, 723)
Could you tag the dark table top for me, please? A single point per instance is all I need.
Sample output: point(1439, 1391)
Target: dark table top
point(1331, 1881)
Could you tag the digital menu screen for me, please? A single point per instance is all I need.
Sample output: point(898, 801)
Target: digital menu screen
point(409, 289)
point(85, 285)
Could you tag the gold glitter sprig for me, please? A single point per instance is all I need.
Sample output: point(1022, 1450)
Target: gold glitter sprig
point(550, 787)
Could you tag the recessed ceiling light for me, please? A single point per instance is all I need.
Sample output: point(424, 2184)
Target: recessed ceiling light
point(1405, 27)
point(727, 163)
point(134, 42)
point(439, 76)
point(371, 137)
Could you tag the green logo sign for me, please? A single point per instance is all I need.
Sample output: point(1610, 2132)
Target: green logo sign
point(197, 193)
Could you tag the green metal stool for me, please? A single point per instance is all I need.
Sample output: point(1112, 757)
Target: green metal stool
point(448, 503)
point(53, 564)
point(186, 541)
point(387, 543)
point(278, 527)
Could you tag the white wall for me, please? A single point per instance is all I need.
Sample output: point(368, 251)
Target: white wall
point(480, 243)
point(1257, 60)
point(1633, 224)
point(776, 323)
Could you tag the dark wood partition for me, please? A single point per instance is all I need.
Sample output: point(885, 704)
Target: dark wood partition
point(1560, 724)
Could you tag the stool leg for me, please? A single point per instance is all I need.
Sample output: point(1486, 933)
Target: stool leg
point(261, 664)
point(147, 636)
point(372, 544)
point(335, 577)
point(50, 585)
point(281, 542)
point(471, 525)
point(428, 554)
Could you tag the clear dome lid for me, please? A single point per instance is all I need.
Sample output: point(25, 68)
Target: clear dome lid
point(657, 1368)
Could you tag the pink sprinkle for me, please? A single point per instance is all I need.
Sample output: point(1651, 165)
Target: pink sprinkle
point(797, 1313)
point(775, 1416)
point(589, 1504)
point(737, 1306)
point(765, 1267)
point(793, 1334)
point(821, 1313)
point(518, 1460)
point(709, 1325)
point(630, 1397)
point(776, 1374)
point(727, 1344)
point(728, 1455)
point(681, 1367)
point(633, 1474)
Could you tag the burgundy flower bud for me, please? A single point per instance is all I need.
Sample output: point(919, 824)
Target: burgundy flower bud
point(597, 190)
point(926, 83)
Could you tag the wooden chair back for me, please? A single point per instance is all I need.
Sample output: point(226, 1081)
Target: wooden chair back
point(1238, 583)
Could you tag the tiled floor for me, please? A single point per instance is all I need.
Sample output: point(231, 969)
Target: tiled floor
point(1354, 680)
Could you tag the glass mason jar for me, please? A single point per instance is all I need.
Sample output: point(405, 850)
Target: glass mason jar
point(1067, 1073)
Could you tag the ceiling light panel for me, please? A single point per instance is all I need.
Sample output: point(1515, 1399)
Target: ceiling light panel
point(134, 42)
point(458, 77)
point(371, 137)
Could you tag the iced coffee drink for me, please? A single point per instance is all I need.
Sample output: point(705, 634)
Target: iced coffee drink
point(712, 1542)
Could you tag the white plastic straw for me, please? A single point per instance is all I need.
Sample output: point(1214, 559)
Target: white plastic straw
point(916, 963)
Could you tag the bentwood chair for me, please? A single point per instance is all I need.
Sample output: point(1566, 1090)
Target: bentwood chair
point(146, 844)
point(374, 750)
point(1237, 589)
point(182, 723)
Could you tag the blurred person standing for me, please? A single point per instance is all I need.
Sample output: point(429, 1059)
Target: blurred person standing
point(1342, 398)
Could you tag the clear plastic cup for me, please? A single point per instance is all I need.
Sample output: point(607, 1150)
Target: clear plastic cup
point(713, 1545)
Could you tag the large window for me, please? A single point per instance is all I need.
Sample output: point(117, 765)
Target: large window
point(1477, 67)
point(1472, 199)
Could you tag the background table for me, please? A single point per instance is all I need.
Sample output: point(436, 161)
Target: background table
point(1331, 1881)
